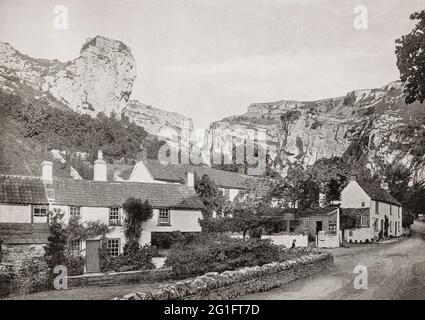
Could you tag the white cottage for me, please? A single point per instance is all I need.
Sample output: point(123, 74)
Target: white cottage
point(28, 200)
point(378, 212)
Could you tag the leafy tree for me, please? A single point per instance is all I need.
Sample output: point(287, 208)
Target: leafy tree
point(410, 51)
point(137, 212)
point(212, 197)
point(55, 249)
point(398, 177)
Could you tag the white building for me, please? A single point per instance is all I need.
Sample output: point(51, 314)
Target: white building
point(28, 200)
point(377, 212)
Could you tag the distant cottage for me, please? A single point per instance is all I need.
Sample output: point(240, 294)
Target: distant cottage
point(378, 214)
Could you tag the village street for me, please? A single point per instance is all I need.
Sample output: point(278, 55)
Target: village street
point(396, 270)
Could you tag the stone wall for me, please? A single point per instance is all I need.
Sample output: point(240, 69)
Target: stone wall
point(14, 254)
point(118, 278)
point(231, 284)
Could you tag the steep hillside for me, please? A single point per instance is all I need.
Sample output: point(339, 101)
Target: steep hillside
point(371, 126)
point(76, 106)
point(100, 79)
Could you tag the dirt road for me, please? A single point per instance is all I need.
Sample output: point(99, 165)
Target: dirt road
point(395, 271)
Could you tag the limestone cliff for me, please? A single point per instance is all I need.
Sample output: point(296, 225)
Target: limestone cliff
point(99, 80)
point(364, 123)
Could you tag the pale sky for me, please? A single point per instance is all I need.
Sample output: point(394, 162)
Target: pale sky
point(208, 59)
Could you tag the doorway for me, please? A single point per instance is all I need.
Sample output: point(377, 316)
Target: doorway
point(92, 256)
point(319, 226)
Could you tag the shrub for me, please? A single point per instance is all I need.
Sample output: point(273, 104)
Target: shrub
point(34, 275)
point(131, 260)
point(164, 240)
point(212, 252)
point(75, 265)
point(5, 281)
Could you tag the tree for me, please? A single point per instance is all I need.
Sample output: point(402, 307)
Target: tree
point(137, 213)
point(398, 177)
point(55, 249)
point(212, 197)
point(410, 51)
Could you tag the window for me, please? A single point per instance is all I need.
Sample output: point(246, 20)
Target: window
point(39, 213)
point(332, 227)
point(376, 207)
point(391, 226)
point(114, 216)
point(164, 216)
point(74, 247)
point(391, 209)
point(398, 211)
point(74, 211)
point(113, 246)
point(364, 221)
point(292, 224)
point(363, 204)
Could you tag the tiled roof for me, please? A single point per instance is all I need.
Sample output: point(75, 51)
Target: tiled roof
point(24, 233)
point(22, 190)
point(317, 212)
point(355, 211)
point(107, 194)
point(177, 173)
point(375, 192)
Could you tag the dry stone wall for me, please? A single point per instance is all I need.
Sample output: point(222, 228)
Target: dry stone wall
point(231, 284)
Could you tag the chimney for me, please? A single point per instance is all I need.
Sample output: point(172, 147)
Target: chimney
point(190, 179)
point(99, 168)
point(353, 177)
point(47, 170)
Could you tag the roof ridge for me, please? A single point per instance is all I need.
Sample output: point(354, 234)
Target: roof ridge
point(20, 176)
point(125, 182)
point(204, 166)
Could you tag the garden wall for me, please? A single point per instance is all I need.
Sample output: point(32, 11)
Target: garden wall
point(359, 235)
point(117, 278)
point(231, 284)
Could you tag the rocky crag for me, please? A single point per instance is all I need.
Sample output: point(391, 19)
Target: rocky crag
point(100, 79)
point(371, 125)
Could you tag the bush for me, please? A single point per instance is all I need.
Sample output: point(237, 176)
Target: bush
point(75, 265)
point(5, 281)
point(130, 260)
point(164, 240)
point(212, 252)
point(34, 275)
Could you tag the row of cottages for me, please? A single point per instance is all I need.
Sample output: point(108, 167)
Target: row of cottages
point(28, 200)
point(378, 214)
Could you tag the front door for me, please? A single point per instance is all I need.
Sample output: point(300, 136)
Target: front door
point(92, 256)
point(319, 226)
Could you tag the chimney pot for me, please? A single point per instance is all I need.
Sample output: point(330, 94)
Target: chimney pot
point(100, 170)
point(353, 177)
point(190, 179)
point(47, 170)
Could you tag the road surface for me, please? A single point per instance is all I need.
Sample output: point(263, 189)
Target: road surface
point(395, 270)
